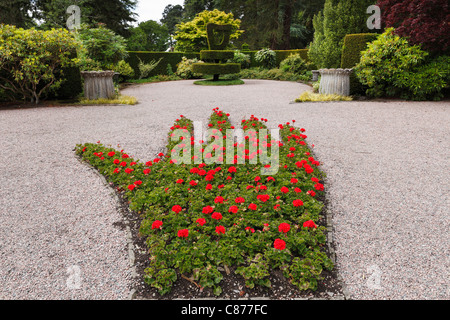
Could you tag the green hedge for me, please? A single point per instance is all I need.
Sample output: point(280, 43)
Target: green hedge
point(354, 44)
point(216, 55)
point(172, 58)
point(216, 68)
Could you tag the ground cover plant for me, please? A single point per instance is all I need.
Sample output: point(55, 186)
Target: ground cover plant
point(207, 217)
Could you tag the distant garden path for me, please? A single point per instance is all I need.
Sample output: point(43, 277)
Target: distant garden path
point(388, 186)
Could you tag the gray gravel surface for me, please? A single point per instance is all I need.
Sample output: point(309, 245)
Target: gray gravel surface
point(387, 165)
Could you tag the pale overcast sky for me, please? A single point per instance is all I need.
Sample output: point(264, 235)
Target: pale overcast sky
point(153, 9)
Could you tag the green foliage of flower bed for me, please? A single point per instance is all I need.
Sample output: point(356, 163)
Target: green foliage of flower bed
point(204, 216)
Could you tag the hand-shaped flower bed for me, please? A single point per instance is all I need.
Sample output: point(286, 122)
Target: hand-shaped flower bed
point(197, 217)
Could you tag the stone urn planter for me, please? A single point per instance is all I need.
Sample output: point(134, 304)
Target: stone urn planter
point(98, 84)
point(315, 75)
point(335, 81)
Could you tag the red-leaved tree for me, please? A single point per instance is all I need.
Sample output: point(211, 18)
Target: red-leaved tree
point(424, 22)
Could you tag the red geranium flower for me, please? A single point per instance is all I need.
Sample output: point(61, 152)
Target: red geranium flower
point(116, 161)
point(218, 199)
point(318, 186)
point(297, 203)
point(233, 209)
point(183, 233)
point(157, 224)
point(263, 197)
point(252, 206)
point(284, 189)
point(250, 229)
point(309, 224)
point(201, 221)
point(279, 244)
point(239, 200)
point(231, 169)
point(176, 208)
point(129, 170)
point(216, 216)
point(284, 227)
point(180, 181)
point(138, 182)
point(131, 187)
point(220, 230)
point(147, 171)
point(207, 210)
point(193, 183)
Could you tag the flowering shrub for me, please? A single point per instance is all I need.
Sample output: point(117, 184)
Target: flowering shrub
point(197, 217)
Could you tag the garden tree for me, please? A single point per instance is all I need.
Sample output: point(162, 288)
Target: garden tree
point(149, 36)
point(172, 16)
point(192, 35)
point(337, 19)
point(279, 24)
point(31, 60)
point(117, 15)
point(194, 7)
point(16, 12)
point(424, 22)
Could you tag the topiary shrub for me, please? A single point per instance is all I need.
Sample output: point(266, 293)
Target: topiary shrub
point(392, 67)
point(267, 58)
point(354, 44)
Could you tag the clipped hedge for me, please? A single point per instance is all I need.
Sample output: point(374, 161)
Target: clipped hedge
point(354, 44)
point(216, 68)
point(216, 55)
point(172, 58)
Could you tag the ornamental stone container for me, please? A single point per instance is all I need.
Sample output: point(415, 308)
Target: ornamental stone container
point(315, 75)
point(98, 84)
point(335, 81)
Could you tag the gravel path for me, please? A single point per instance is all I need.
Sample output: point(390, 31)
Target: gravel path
point(387, 183)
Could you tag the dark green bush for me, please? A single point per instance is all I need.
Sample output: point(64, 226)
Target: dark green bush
point(354, 44)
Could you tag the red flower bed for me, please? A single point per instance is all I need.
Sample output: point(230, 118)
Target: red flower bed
point(242, 211)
